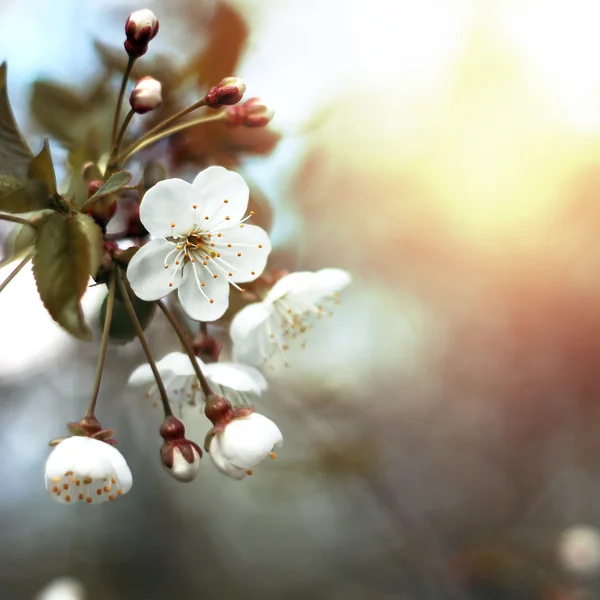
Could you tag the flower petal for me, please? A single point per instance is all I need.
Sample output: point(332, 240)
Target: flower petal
point(141, 375)
point(244, 251)
point(177, 363)
point(246, 442)
point(222, 463)
point(196, 298)
point(294, 281)
point(169, 201)
point(248, 320)
point(330, 281)
point(220, 193)
point(242, 378)
point(147, 274)
point(121, 468)
point(182, 470)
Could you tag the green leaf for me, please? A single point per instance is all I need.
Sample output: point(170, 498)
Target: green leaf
point(41, 168)
point(115, 182)
point(121, 327)
point(63, 260)
point(30, 197)
point(93, 233)
point(15, 154)
point(57, 109)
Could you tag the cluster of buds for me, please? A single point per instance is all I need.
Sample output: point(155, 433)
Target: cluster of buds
point(146, 95)
point(252, 113)
point(140, 28)
point(240, 439)
point(227, 92)
point(180, 456)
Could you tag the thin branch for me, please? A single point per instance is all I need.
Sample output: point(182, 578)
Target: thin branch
point(188, 348)
point(15, 219)
point(16, 271)
point(113, 136)
point(103, 344)
point(144, 343)
point(147, 140)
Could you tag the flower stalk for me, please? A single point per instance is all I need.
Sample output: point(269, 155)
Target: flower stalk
point(126, 75)
point(144, 343)
point(155, 135)
point(15, 219)
point(103, 345)
point(206, 389)
point(123, 129)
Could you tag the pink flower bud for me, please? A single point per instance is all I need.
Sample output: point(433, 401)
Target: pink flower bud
point(140, 28)
point(146, 95)
point(180, 456)
point(228, 91)
point(253, 113)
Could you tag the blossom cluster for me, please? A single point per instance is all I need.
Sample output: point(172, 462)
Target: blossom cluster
point(194, 249)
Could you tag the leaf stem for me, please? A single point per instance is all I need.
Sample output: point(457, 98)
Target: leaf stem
point(147, 139)
point(16, 271)
point(187, 347)
point(103, 344)
point(126, 74)
point(143, 342)
point(15, 219)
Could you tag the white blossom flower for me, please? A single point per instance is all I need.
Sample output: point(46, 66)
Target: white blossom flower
point(181, 382)
point(578, 550)
point(82, 468)
point(243, 444)
point(263, 331)
point(202, 244)
point(62, 588)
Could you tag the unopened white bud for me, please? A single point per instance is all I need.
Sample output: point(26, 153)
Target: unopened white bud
point(578, 550)
point(146, 95)
point(140, 28)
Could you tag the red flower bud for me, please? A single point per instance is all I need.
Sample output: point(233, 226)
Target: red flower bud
point(179, 456)
point(140, 28)
point(102, 210)
point(253, 113)
point(228, 91)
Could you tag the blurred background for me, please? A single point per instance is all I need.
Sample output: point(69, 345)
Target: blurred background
point(441, 431)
